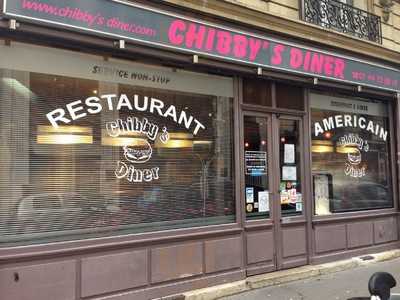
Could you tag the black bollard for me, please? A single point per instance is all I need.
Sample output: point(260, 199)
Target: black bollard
point(380, 284)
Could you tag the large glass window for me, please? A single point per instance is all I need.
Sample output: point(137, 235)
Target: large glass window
point(350, 154)
point(92, 148)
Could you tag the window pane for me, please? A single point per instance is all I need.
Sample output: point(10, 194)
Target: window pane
point(290, 185)
point(121, 159)
point(256, 175)
point(350, 155)
point(257, 91)
point(289, 96)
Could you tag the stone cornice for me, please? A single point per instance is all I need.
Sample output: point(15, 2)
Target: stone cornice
point(289, 27)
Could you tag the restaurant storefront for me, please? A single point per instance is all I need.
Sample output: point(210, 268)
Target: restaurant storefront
point(145, 152)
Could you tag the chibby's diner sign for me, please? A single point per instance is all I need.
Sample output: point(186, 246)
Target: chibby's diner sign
point(351, 144)
point(153, 27)
point(136, 135)
point(139, 150)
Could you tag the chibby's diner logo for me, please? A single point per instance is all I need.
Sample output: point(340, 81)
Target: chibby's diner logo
point(139, 150)
point(136, 136)
point(354, 146)
point(351, 144)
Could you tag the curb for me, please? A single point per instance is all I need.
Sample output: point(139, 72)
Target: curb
point(285, 276)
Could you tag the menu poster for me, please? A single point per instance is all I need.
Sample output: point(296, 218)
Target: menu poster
point(292, 195)
point(263, 201)
point(299, 197)
point(321, 194)
point(289, 173)
point(289, 154)
point(249, 195)
point(255, 163)
point(285, 199)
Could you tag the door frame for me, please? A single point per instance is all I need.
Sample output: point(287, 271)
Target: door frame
point(290, 223)
point(275, 223)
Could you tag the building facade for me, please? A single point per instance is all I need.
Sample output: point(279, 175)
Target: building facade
point(150, 148)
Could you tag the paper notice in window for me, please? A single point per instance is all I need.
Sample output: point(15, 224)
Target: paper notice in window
point(255, 163)
point(289, 173)
point(289, 154)
point(321, 194)
point(263, 201)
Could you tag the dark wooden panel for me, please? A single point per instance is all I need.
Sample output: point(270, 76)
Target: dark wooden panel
point(160, 291)
point(260, 247)
point(223, 254)
point(294, 241)
point(175, 262)
point(330, 238)
point(109, 273)
point(360, 234)
point(43, 281)
point(294, 262)
point(260, 269)
point(385, 230)
point(339, 255)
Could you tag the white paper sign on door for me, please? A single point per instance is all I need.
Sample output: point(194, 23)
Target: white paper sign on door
point(263, 201)
point(249, 195)
point(289, 173)
point(289, 151)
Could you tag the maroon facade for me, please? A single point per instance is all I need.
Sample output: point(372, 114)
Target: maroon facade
point(158, 263)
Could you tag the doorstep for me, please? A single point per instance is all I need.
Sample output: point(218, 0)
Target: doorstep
point(281, 277)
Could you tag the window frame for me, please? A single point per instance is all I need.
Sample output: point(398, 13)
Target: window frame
point(71, 245)
point(377, 212)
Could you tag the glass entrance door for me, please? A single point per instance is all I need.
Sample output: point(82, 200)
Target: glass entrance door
point(290, 185)
point(257, 150)
point(273, 191)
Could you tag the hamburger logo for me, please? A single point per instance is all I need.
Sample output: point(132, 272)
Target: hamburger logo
point(139, 154)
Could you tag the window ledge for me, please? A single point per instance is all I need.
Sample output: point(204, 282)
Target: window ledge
point(359, 215)
point(116, 242)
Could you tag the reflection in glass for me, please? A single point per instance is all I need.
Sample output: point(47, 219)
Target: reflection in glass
point(75, 181)
point(350, 155)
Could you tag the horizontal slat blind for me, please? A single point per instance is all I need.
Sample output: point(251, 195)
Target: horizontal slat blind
point(67, 182)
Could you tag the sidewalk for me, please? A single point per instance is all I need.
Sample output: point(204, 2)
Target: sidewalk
point(292, 275)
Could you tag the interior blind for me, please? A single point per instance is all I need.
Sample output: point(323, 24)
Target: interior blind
point(130, 159)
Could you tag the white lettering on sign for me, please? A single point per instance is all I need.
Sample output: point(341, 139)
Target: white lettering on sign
point(351, 144)
point(133, 174)
point(94, 105)
point(139, 135)
point(132, 125)
point(354, 121)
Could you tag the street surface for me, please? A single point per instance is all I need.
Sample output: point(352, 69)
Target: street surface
point(337, 286)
